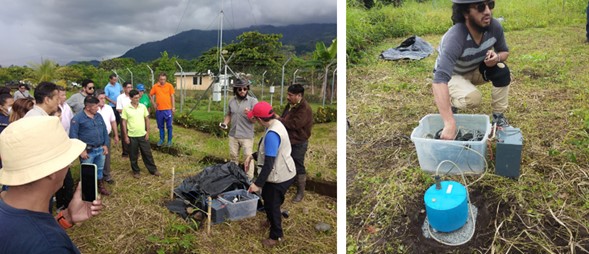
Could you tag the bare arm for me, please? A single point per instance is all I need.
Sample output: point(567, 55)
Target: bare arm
point(147, 128)
point(173, 103)
point(115, 131)
point(442, 99)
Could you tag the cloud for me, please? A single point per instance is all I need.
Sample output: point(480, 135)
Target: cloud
point(65, 30)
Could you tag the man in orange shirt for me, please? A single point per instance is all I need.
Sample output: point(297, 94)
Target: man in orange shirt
point(162, 99)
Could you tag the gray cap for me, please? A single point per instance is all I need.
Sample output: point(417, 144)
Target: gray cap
point(466, 1)
point(241, 82)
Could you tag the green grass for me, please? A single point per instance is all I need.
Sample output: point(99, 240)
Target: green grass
point(134, 219)
point(544, 211)
point(368, 28)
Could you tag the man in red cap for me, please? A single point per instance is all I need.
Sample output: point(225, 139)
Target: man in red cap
point(278, 168)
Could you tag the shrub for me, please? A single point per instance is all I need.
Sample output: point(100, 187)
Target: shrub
point(325, 115)
point(208, 125)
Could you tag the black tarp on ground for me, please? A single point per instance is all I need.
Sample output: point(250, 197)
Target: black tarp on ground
point(212, 181)
point(413, 48)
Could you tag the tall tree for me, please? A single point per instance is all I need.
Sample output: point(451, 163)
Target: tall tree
point(45, 71)
point(325, 57)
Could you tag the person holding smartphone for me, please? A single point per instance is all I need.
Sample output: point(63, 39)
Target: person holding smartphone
point(241, 133)
point(27, 225)
point(89, 126)
point(278, 168)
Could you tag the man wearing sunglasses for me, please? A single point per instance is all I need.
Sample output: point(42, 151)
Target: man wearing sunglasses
point(76, 101)
point(241, 133)
point(471, 52)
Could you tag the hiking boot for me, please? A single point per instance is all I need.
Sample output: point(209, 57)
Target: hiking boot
point(136, 175)
point(500, 120)
point(269, 243)
point(160, 143)
point(169, 143)
point(454, 110)
point(301, 180)
point(102, 189)
point(157, 173)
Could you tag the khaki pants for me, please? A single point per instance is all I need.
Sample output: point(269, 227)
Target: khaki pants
point(464, 94)
point(248, 146)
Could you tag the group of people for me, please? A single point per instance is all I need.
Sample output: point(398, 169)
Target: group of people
point(281, 151)
point(56, 130)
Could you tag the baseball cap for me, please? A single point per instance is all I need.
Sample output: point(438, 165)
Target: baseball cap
point(262, 109)
point(140, 87)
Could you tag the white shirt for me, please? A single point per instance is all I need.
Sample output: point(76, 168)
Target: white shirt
point(122, 101)
point(108, 115)
point(66, 116)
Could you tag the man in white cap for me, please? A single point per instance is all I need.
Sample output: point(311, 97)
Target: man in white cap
point(27, 225)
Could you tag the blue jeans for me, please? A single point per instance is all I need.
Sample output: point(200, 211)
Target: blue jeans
point(96, 156)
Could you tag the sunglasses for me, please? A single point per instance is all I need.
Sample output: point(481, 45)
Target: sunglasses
point(242, 89)
point(483, 5)
point(91, 88)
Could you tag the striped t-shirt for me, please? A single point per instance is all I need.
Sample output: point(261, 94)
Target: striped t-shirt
point(459, 54)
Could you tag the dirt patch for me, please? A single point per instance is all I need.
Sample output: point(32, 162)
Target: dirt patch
point(413, 220)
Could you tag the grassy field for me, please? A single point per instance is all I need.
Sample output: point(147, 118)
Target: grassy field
point(135, 220)
point(545, 211)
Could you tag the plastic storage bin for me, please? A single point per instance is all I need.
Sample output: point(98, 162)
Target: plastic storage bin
point(431, 152)
point(240, 204)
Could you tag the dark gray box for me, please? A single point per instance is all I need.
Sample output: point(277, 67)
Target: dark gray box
point(219, 212)
point(508, 152)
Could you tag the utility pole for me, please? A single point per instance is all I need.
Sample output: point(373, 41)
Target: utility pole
point(131, 76)
point(152, 80)
point(181, 86)
point(282, 83)
point(294, 76)
point(263, 75)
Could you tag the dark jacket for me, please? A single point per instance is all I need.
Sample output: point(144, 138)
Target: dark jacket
point(298, 121)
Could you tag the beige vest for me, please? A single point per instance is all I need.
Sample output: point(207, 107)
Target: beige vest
point(284, 166)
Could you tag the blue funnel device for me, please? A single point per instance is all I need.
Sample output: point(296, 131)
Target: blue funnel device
point(446, 208)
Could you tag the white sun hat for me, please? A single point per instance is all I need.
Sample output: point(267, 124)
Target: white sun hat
point(35, 147)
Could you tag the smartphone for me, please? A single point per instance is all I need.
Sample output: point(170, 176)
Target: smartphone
point(89, 182)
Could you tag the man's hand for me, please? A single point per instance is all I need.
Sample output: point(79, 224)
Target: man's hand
point(253, 188)
point(84, 155)
point(449, 132)
point(246, 163)
point(104, 150)
point(147, 136)
point(492, 58)
point(173, 110)
point(79, 211)
point(127, 140)
point(116, 139)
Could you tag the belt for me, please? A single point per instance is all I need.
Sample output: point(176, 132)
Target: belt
point(89, 147)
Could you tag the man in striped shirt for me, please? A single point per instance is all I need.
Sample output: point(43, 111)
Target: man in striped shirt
point(474, 42)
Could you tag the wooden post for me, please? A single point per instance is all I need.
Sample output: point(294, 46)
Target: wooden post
point(172, 184)
point(210, 203)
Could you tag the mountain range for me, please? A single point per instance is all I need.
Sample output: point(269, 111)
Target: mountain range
point(191, 44)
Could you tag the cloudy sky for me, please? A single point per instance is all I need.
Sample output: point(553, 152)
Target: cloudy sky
point(66, 30)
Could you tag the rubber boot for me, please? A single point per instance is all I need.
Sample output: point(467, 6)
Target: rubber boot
point(102, 189)
point(301, 180)
point(162, 136)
